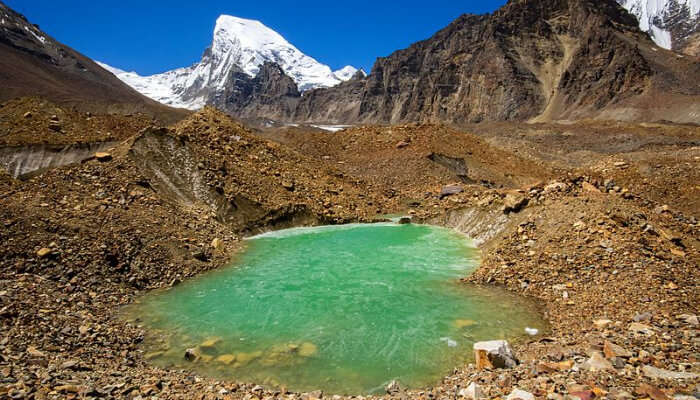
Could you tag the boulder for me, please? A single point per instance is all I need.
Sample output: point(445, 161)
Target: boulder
point(494, 354)
point(514, 202)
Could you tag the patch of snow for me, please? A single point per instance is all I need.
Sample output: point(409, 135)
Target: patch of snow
point(38, 37)
point(651, 15)
point(347, 72)
point(332, 128)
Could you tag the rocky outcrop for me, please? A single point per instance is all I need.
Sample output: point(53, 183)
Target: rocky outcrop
point(270, 94)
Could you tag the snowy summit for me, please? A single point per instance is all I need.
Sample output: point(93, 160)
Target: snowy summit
point(239, 45)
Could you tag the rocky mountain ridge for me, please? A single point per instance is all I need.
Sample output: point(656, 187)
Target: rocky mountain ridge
point(32, 63)
point(528, 61)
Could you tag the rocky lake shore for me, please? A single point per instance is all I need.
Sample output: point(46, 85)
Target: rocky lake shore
point(604, 237)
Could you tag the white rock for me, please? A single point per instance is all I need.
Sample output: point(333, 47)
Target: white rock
point(499, 352)
point(473, 392)
point(653, 372)
point(520, 394)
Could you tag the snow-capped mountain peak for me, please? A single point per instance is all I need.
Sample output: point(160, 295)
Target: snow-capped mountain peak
point(348, 72)
point(238, 45)
point(668, 22)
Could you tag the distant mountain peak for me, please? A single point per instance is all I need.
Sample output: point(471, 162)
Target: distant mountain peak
point(238, 45)
point(348, 72)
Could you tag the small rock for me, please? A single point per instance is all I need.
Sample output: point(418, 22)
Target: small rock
point(69, 365)
point(636, 327)
point(289, 185)
point(520, 394)
point(216, 244)
point(55, 126)
point(494, 354)
point(590, 188)
point(689, 319)
point(611, 350)
point(597, 363)
point(226, 358)
point(405, 221)
point(602, 323)
point(200, 255)
point(32, 351)
point(582, 395)
point(103, 157)
point(191, 355)
point(658, 373)
point(307, 349)
point(554, 187)
point(450, 190)
point(472, 392)
point(642, 317)
point(402, 144)
point(28, 114)
point(653, 392)
point(44, 252)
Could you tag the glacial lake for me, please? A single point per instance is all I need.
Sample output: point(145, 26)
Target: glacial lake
point(345, 309)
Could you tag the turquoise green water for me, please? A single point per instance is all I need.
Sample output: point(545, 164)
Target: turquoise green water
point(345, 309)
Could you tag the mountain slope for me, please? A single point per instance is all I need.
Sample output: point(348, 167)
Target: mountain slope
point(239, 45)
point(532, 60)
point(672, 24)
point(34, 64)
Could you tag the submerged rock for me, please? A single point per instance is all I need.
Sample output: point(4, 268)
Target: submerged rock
point(191, 355)
point(494, 354)
point(307, 349)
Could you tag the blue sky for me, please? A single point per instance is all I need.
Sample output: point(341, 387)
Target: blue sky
point(151, 36)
